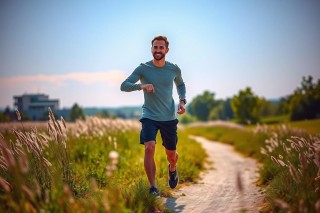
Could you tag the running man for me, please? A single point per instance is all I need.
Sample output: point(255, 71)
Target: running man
point(158, 111)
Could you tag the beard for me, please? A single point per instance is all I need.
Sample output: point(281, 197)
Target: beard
point(158, 56)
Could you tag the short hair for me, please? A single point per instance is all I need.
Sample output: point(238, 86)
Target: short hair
point(160, 38)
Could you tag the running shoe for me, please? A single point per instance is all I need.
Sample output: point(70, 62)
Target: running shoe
point(173, 178)
point(154, 191)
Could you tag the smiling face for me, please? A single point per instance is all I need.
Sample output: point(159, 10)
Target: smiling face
point(159, 49)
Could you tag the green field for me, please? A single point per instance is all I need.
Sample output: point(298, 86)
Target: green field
point(94, 165)
point(289, 157)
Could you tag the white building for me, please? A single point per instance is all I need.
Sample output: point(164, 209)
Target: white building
point(35, 105)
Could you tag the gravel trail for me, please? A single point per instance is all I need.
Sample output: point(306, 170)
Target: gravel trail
point(229, 187)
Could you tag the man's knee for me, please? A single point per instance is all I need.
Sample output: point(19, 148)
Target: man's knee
point(150, 147)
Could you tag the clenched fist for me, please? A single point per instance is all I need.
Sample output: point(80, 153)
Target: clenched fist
point(148, 87)
point(181, 108)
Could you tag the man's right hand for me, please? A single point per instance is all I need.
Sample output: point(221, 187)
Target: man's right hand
point(148, 87)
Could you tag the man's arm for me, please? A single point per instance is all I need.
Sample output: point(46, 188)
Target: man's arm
point(181, 89)
point(129, 84)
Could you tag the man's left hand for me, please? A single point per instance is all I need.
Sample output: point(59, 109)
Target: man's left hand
point(181, 108)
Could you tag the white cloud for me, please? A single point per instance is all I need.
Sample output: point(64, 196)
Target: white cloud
point(85, 88)
point(110, 77)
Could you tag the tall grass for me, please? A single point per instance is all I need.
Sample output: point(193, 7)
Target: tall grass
point(292, 169)
point(92, 165)
point(290, 162)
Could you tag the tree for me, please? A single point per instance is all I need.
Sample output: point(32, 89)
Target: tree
point(304, 103)
point(201, 105)
point(222, 110)
point(76, 112)
point(104, 114)
point(268, 108)
point(246, 106)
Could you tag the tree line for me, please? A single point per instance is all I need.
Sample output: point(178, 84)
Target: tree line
point(248, 108)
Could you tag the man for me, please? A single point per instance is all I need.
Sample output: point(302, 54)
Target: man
point(158, 111)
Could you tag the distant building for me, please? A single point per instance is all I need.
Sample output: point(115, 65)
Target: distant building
point(35, 105)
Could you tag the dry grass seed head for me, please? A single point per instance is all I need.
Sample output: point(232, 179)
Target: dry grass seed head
point(303, 161)
point(5, 185)
point(18, 114)
point(282, 204)
point(317, 206)
point(28, 192)
point(63, 122)
point(293, 172)
point(275, 161)
point(1, 136)
point(263, 151)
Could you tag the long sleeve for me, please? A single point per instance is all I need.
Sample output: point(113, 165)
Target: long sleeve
point(129, 84)
point(181, 87)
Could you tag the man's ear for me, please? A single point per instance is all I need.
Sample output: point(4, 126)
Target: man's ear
point(167, 50)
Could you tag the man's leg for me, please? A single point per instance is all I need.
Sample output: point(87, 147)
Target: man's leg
point(149, 164)
point(172, 157)
point(173, 177)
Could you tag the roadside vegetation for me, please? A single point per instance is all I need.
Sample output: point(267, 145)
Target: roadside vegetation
point(289, 156)
point(91, 165)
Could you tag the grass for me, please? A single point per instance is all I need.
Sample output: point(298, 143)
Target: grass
point(289, 157)
point(95, 165)
point(243, 140)
point(311, 126)
point(275, 119)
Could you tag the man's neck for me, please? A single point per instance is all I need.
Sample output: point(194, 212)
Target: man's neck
point(159, 63)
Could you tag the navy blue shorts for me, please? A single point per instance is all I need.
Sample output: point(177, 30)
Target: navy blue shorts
point(168, 131)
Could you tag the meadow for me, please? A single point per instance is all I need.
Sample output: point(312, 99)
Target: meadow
point(290, 158)
point(91, 165)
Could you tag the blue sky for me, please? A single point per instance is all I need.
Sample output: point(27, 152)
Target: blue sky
point(81, 51)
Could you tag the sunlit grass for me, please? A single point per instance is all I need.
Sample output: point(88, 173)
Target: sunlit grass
point(289, 157)
point(102, 171)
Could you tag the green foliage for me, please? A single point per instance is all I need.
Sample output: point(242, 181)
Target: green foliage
point(291, 184)
point(275, 119)
point(268, 108)
point(311, 126)
point(201, 105)
point(246, 106)
point(186, 118)
point(76, 112)
point(81, 173)
point(3, 117)
point(305, 101)
point(222, 110)
point(104, 114)
point(244, 140)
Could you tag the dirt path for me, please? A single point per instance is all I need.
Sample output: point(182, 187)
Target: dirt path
point(218, 189)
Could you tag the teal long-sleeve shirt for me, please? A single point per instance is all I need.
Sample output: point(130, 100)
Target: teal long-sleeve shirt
point(158, 106)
